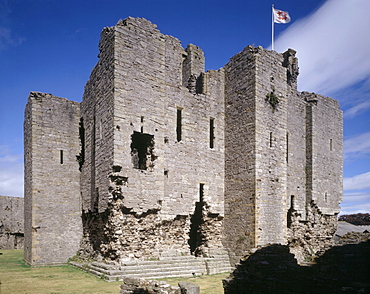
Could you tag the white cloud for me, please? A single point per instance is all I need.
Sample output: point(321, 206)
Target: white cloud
point(332, 45)
point(356, 208)
point(358, 182)
point(357, 146)
point(11, 173)
point(358, 202)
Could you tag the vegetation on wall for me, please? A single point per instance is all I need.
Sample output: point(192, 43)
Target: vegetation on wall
point(272, 99)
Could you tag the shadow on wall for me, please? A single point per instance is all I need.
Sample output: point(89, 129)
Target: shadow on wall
point(273, 269)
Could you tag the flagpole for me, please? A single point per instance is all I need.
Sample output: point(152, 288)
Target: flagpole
point(272, 27)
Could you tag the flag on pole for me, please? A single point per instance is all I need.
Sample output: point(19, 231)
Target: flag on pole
point(280, 16)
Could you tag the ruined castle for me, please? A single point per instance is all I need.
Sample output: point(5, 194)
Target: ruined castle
point(162, 158)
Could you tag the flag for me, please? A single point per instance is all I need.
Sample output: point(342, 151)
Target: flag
point(280, 16)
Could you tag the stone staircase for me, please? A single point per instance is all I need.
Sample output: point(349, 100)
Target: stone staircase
point(165, 267)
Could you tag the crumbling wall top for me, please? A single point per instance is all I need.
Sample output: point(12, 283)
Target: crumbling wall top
point(137, 22)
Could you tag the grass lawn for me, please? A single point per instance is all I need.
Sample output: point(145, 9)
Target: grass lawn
point(17, 277)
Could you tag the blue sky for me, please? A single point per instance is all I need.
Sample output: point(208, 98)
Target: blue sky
point(52, 45)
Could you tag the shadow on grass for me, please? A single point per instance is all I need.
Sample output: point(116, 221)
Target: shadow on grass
point(273, 269)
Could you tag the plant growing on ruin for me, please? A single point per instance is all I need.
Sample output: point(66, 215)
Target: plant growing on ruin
point(272, 99)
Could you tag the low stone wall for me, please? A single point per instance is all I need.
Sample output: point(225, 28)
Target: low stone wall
point(11, 222)
point(273, 269)
point(141, 286)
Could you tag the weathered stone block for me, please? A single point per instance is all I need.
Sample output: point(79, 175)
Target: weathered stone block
point(189, 288)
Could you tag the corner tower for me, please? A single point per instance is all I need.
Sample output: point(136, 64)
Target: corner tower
point(277, 183)
point(52, 211)
point(256, 95)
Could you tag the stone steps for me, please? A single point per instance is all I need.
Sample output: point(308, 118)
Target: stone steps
point(179, 266)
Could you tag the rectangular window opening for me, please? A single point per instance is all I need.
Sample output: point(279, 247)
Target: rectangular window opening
point(179, 125)
point(61, 156)
point(142, 151)
point(331, 144)
point(211, 133)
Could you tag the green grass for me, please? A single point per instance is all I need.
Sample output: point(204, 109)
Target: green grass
point(17, 277)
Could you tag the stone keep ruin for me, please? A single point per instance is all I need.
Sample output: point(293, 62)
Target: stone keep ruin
point(164, 159)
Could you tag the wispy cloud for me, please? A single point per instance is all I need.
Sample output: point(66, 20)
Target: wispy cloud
point(7, 36)
point(358, 182)
point(357, 109)
point(4, 10)
point(7, 39)
point(357, 202)
point(11, 173)
point(332, 45)
point(357, 146)
point(355, 100)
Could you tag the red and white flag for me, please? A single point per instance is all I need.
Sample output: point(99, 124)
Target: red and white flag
point(280, 16)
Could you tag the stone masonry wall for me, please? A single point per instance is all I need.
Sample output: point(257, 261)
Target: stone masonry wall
point(161, 162)
point(255, 186)
point(240, 106)
point(325, 146)
point(283, 156)
point(97, 110)
point(312, 218)
point(53, 227)
point(272, 95)
point(296, 154)
point(11, 222)
point(96, 136)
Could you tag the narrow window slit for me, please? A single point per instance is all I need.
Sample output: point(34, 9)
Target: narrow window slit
point(201, 192)
point(179, 125)
point(211, 132)
point(287, 147)
point(270, 139)
point(61, 156)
